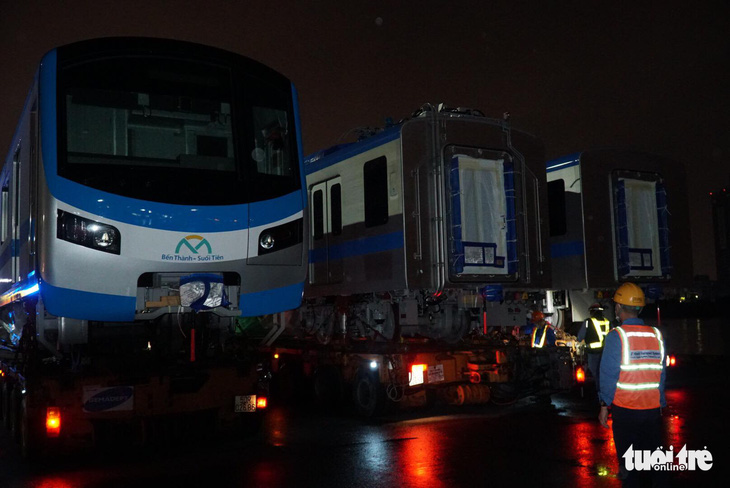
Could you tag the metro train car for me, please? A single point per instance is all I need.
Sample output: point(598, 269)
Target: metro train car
point(617, 215)
point(417, 228)
point(149, 179)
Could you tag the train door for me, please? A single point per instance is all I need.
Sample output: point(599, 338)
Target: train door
point(325, 260)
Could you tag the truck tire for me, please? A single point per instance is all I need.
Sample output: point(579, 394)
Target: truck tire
point(367, 394)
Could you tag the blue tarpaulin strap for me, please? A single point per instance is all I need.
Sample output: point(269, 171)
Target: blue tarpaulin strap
point(457, 256)
point(622, 229)
point(663, 220)
point(509, 190)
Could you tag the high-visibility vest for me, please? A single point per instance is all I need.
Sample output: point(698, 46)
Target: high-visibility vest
point(642, 362)
point(601, 329)
point(542, 339)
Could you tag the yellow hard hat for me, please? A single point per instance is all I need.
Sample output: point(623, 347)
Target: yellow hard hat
point(629, 294)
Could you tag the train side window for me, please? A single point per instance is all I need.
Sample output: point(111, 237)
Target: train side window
point(5, 212)
point(336, 208)
point(556, 205)
point(375, 176)
point(317, 215)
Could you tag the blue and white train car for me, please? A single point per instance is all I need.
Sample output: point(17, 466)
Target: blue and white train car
point(149, 178)
point(617, 215)
point(412, 227)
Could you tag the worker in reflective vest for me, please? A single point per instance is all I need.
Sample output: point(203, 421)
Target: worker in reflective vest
point(542, 333)
point(593, 332)
point(632, 378)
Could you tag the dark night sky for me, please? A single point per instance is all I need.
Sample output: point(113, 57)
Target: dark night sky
point(651, 75)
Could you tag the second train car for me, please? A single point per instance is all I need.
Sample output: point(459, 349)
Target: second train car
point(415, 228)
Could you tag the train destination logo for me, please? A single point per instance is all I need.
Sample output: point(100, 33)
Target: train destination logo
point(193, 248)
point(658, 460)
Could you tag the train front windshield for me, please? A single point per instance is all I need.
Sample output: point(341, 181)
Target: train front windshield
point(175, 131)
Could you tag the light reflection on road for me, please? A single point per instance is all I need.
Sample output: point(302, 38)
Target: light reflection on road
point(422, 456)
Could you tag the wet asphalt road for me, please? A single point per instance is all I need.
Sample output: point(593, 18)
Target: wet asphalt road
point(556, 443)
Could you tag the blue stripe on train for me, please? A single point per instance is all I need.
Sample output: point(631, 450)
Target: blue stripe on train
point(565, 249)
point(358, 247)
point(76, 304)
point(323, 159)
point(181, 218)
point(86, 305)
point(12, 250)
point(14, 245)
point(271, 301)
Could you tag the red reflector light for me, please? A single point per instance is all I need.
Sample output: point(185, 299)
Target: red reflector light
point(672, 361)
point(261, 402)
point(580, 375)
point(53, 421)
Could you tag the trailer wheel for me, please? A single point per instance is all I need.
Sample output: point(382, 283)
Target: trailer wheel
point(367, 393)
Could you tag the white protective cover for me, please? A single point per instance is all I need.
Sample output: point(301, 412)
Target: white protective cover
point(483, 213)
point(643, 227)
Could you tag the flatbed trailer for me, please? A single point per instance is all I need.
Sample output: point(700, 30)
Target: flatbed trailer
point(46, 404)
point(378, 377)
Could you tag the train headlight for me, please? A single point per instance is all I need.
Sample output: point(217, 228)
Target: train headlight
point(88, 233)
point(267, 241)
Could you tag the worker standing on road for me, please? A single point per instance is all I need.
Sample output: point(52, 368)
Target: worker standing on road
point(593, 332)
point(542, 333)
point(632, 375)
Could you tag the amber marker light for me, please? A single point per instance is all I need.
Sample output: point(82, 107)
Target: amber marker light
point(53, 421)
